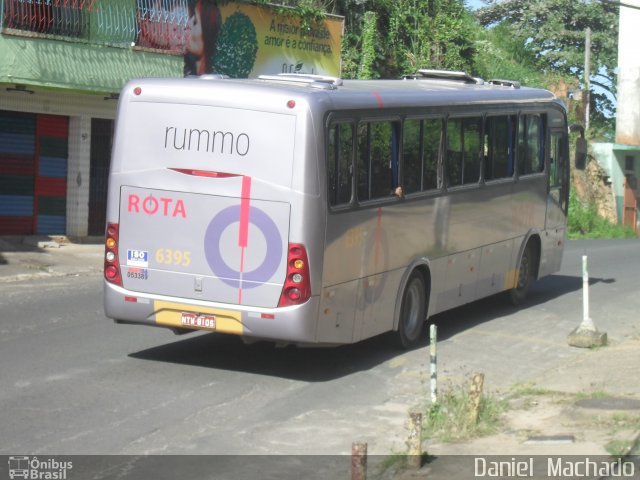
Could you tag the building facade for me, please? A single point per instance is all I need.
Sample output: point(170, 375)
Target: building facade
point(621, 159)
point(62, 65)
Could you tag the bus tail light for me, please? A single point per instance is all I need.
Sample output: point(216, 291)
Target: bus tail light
point(111, 263)
point(297, 286)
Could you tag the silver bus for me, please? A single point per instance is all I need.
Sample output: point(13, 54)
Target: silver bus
point(312, 210)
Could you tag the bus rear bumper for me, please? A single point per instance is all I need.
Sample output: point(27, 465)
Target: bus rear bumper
point(295, 324)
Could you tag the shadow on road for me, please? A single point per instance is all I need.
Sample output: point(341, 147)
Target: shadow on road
point(464, 318)
point(325, 364)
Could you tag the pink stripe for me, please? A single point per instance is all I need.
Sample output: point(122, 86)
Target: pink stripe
point(245, 201)
point(378, 99)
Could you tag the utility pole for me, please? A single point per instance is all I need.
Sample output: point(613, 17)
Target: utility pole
point(587, 76)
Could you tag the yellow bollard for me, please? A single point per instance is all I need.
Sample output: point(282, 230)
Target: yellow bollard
point(475, 394)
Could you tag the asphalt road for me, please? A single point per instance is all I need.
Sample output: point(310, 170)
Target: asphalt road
point(73, 382)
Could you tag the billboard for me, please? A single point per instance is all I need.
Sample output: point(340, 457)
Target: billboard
point(244, 40)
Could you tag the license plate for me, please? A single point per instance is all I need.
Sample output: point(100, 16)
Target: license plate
point(199, 321)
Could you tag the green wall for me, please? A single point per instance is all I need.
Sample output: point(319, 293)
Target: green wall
point(78, 65)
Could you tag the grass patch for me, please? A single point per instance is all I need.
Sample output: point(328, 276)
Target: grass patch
point(621, 422)
point(618, 448)
point(448, 420)
point(584, 222)
point(529, 390)
point(598, 394)
point(395, 461)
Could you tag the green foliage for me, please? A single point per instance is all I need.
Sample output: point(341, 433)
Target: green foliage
point(369, 42)
point(237, 47)
point(409, 35)
point(448, 420)
point(551, 36)
point(539, 43)
point(309, 11)
point(500, 55)
point(584, 222)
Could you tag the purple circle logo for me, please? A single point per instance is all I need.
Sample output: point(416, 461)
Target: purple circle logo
point(237, 277)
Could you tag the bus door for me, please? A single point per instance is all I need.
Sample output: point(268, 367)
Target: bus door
point(558, 196)
point(557, 201)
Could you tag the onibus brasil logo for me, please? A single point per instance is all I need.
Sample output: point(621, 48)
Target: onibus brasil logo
point(36, 469)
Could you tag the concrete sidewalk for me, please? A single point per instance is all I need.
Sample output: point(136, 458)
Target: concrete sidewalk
point(29, 257)
point(587, 407)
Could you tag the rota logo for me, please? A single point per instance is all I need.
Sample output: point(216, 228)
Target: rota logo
point(167, 207)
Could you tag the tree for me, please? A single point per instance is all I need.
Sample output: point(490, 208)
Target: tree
point(390, 38)
point(552, 34)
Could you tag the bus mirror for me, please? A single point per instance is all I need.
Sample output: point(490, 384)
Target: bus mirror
point(581, 153)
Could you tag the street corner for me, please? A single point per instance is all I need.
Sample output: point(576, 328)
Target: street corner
point(32, 257)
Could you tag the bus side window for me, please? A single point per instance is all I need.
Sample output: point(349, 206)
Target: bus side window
point(463, 151)
point(421, 149)
point(412, 156)
point(535, 132)
point(340, 166)
point(363, 162)
point(454, 152)
point(472, 150)
point(499, 143)
point(530, 144)
point(431, 140)
point(377, 159)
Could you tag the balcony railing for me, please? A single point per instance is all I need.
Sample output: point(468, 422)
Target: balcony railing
point(154, 24)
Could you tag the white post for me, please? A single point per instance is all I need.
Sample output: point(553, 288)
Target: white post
point(586, 335)
point(433, 333)
point(587, 323)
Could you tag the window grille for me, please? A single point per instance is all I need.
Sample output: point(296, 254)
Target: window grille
point(155, 24)
point(69, 18)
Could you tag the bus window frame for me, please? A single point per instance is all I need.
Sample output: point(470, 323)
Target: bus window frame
point(444, 115)
point(331, 123)
point(439, 162)
point(368, 119)
point(463, 186)
point(544, 144)
point(513, 177)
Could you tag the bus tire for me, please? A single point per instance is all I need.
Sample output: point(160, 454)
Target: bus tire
point(526, 276)
point(413, 312)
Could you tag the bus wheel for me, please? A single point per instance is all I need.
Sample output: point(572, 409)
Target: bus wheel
point(526, 270)
point(413, 312)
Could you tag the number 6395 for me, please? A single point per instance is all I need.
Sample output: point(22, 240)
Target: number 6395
point(168, 256)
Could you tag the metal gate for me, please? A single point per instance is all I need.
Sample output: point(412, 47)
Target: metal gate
point(33, 173)
point(52, 147)
point(17, 172)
